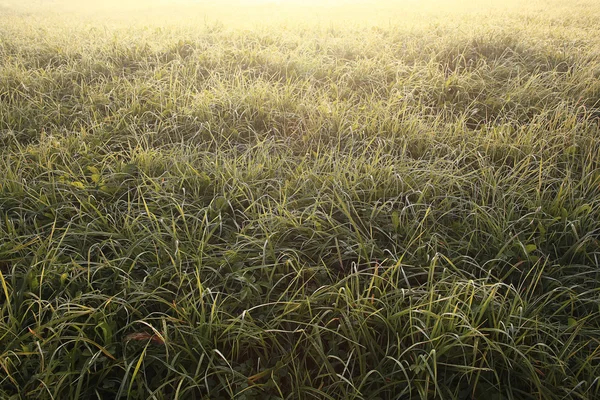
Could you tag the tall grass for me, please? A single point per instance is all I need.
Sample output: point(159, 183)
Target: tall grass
point(325, 211)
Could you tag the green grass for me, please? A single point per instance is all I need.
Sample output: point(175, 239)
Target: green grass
point(298, 210)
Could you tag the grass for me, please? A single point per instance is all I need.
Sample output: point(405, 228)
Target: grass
point(370, 210)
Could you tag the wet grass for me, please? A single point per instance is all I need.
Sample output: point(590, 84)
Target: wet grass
point(331, 212)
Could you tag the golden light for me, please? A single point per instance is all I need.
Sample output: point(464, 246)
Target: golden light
point(248, 13)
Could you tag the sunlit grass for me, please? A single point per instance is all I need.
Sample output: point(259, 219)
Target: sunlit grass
point(351, 207)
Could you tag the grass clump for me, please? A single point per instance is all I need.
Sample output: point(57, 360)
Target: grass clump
point(301, 211)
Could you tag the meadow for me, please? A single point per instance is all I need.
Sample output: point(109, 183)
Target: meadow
point(280, 200)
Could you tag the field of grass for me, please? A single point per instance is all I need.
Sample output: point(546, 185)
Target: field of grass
point(393, 200)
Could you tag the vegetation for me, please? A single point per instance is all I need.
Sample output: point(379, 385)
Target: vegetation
point(344, 210)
